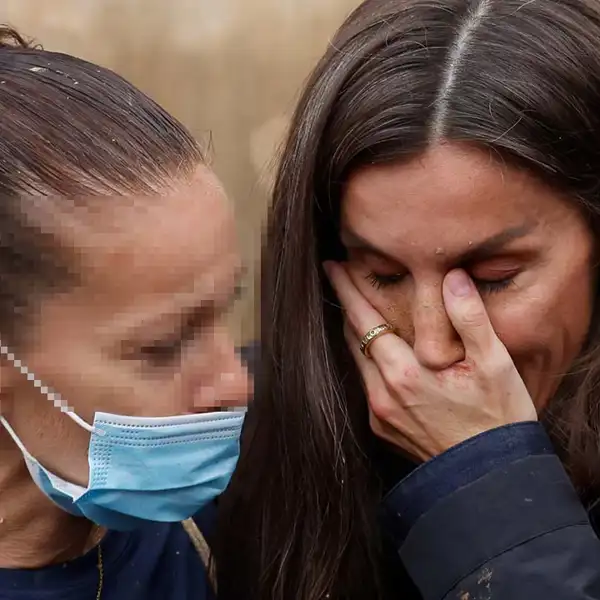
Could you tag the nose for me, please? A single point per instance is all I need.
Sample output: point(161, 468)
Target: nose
point(226, 382)
point(436, 344)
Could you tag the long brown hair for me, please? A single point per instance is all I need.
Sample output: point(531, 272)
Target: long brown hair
point(521, 79)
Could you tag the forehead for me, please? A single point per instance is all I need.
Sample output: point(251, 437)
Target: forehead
point(140, 251)
point(450, 195)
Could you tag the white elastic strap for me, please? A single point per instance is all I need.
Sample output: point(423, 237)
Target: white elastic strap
point(14, 436)
point(81, 422)
point(53, 396)
point(66, 487)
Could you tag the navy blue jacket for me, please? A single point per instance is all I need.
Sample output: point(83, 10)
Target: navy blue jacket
point(493, 518)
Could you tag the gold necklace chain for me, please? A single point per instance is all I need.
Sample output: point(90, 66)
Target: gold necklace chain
point(199, 543)
point(100, 573)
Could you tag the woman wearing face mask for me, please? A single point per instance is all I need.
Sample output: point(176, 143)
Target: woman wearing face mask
point(427, 421)
point(117, 268)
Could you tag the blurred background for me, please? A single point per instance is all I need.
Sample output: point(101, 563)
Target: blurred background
point(231, 69)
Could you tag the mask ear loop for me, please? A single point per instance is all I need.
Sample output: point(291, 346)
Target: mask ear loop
point(15, 437)
point(53, 396)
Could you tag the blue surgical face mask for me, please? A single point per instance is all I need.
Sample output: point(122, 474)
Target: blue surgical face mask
point(140, 468)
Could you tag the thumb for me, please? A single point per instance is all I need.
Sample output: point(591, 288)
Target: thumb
point(467, 313)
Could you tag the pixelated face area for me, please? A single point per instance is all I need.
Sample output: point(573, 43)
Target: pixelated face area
point(145, 333)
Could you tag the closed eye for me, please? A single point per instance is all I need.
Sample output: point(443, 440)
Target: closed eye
point(493, 287)
point(485, 286)
point(384, 281)
point(161, 353)
point(166, 351)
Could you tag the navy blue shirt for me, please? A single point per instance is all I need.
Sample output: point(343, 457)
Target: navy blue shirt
point(156, 562)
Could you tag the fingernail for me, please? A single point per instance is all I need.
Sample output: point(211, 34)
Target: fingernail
point(459, 284)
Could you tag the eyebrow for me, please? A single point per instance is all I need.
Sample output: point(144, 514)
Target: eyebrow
point(178, 315)
point(186, 312)
point(474, 253)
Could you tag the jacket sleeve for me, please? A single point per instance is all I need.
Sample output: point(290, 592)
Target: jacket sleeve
point(495, 518)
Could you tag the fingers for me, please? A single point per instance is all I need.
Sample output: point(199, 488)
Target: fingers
point(367, 368)
point(375, 386)
point(467, 313)
point(380, 404)
point(462, 302)
point(362, 316)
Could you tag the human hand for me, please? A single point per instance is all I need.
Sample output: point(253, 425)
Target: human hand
point(422, 411)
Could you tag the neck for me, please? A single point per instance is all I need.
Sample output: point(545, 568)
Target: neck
point(33, 531)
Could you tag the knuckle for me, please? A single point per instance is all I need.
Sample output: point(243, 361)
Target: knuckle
point(473, 315)
point(498, 365)
point(375, 423)
point(404, 379)
point(381, 411)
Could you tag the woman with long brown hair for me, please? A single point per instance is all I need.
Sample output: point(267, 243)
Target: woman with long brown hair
point(426, 422)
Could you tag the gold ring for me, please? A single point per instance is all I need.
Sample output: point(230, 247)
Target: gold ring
point(372, 335)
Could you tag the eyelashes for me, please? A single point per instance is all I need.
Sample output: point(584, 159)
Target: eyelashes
point(167, 351)
point(493, 287)
point(383, 281)
point(484, 286)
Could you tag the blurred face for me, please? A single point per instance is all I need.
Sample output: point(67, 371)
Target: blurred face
point(145, 333)
point(526, 248)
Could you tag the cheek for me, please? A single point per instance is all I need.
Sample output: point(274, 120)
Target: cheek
point(91, 381)
point(398, 312)
point(543, 330)
point(395, 305)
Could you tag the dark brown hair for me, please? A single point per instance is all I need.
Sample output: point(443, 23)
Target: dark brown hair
point(69, 130)
point(521, 79)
